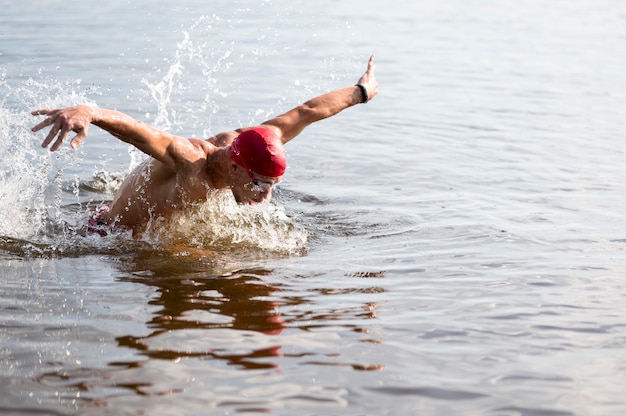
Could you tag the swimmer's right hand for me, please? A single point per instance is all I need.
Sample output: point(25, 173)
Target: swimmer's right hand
point(64, 120)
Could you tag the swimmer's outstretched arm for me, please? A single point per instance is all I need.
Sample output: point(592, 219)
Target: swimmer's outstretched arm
point(326, 105)
point(163, 146)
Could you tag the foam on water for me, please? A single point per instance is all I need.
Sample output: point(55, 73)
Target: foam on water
point(222, 226)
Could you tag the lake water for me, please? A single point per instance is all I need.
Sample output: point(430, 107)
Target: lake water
point(455, 246)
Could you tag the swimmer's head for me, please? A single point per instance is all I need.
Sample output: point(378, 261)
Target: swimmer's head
point(259, 150)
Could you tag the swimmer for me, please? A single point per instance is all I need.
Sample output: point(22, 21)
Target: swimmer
point(248, 161)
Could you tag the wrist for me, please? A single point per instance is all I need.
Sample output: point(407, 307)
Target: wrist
point(363, 91)
point(95, 115)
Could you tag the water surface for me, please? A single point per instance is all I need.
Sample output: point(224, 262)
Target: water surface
point(456, 246)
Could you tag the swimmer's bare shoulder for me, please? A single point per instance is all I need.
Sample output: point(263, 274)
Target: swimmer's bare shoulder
point(224, 139)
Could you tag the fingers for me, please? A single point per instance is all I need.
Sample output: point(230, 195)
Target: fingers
point(78, 139)
point(370, 65)
point(61, 126)
point(63, 133)
point(370, 69)
point(368, 79)
point(48, 121)
point(42, 112)
point(59, 140)
point(51, 135)
point(41, 125)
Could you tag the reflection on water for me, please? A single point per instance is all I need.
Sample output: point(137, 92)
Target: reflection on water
point(241, 301)
point(221, 329)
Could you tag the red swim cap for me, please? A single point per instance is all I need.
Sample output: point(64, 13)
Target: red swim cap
point(259, 150)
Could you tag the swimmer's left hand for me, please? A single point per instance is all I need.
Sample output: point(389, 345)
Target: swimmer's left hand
point(64, 120)
point(368, 80)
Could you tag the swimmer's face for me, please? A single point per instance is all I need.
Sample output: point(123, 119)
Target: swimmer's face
point(252, 188)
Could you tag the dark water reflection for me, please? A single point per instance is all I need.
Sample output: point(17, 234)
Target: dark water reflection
point(240, 301)
point(201, 329)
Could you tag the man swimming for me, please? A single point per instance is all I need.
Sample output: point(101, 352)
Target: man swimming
point(249, 161)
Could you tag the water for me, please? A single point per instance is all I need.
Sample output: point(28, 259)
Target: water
point(456, 246)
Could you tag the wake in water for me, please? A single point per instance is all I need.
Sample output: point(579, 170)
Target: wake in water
point(44, 213)
point(223, 226)
point(46, 199)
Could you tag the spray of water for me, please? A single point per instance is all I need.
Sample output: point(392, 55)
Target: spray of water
point(45, 197)
point(222, 226)
point(31, 181)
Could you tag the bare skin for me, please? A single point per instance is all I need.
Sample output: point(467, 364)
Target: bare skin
point(182, 171)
